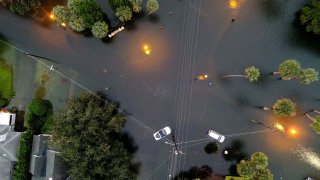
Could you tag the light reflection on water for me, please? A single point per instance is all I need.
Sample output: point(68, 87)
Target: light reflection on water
point(308, 156)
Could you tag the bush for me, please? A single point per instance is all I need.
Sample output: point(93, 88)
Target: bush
point(47, 126)
point(34, 122)
point(21, 168)
point(212, 148)
point(38, 107)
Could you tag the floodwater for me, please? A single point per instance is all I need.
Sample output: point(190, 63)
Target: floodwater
point(197, 38)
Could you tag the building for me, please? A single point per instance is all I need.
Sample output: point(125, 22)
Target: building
point(45, 163)
point(9, 143)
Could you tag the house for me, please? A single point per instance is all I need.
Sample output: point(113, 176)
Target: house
point(45, 163)
point(9, 143)
point(7, 118)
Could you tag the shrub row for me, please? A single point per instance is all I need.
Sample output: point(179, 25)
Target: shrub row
point(21, 168)
point(39, 113)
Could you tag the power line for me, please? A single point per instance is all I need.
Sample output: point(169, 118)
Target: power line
point(130, 117)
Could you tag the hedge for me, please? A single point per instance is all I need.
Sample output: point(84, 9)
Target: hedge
point(21, 168)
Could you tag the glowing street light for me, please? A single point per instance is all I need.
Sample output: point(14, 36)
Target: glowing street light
point(146, 49)
point(202, 77)
point(233, 4)
point(293, 131)
point(52, 16)
point(63, 24)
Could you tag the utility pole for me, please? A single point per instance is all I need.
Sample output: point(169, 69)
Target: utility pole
point(175, 144)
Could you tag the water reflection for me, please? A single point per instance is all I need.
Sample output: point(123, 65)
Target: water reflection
point(308, 156)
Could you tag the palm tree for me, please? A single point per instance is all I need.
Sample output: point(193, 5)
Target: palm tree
point(255, 168)
point(124, 13)
point(289, 69)
point(136, 5)
point(308, 76)
point(152, 6)
point(100, 29)
point(315, 121)
point(284, 107)
point(252, 73)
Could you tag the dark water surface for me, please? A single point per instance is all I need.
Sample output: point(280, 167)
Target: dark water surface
point(159, 89)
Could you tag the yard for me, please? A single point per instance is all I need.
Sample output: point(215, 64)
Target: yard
point(6, 80)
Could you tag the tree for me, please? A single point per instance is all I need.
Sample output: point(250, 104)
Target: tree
point(76, 23)
point(246, 169)
point(114, 4)
point(251, 73)
point(308, 76)
point(289, 69)
point(136, 5)
point(85, 12)
point(310, 17)
point(91, 128)
point(61, 14)
point(152, 6)
point(284, 107)
point(260, 160)
point(38, 107)
point(255, 168)
point(100, 29)
point(20, 8)
point(315, 125)
point(124, 13)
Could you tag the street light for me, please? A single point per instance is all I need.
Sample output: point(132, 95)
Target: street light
point(293, 131)
point(233, 4)
point(52, 16)
point(146, 49)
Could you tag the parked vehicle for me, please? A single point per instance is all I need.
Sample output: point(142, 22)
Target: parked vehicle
point(214, 135)
point(162, 133)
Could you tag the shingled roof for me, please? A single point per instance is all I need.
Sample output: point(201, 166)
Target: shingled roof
point(45, 162)
point(8, 151)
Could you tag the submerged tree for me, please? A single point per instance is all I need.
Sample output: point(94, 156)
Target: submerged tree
point(255, 168)
point(310, 17)
point(100, 29)
point(152, 6)
point(124, 13)
point(88, 135)
point(80, 14)
point(289, 69)
point(284, 107)
point(308, 76)
point(315, 125)
point(251, 73)
point(136, 5)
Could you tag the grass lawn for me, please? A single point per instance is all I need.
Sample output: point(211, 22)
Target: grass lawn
point(6, 80)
